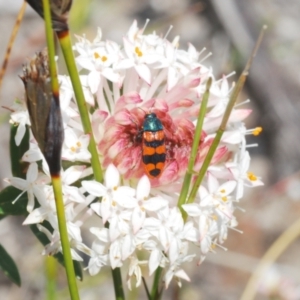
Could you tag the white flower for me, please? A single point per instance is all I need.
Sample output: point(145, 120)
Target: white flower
point(75, 147)
point(29, 185)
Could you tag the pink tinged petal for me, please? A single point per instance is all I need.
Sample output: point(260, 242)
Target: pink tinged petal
point(99, 116)
point(154, 260)
point(32, 172)
point(238, 115)
point(112, 177)
point(172, 77)
point(130, 98)
point(143, 188)
point(115, 255)
point(170, 173)
point(123, 117)
point(94, 79)
point(138, 217)
point(94, 188)
point(144, 72)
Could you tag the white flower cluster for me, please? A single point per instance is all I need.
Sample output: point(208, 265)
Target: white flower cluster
point(148, 71)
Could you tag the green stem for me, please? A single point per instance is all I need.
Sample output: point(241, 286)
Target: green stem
point(64, 237)
point(50, 46)
point(155, 295)
point(66, 46)
point(146, 288)
point(118, 286)
point(56, 180)
point(229, 108)
point(51, 270)
point(195, 146)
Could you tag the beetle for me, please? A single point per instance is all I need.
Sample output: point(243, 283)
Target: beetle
point(153, 148)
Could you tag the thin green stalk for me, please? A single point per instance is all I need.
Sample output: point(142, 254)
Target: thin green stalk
point(66, 46)
point(195, 146)
point(146, 288)
point(64, 237)
point(51, 47)
point(232, 100)
point(155, 295)
point(56, 179)
point(51, 272)
point(118, 286)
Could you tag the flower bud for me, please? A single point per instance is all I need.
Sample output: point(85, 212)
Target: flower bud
point(59, 12)
point(44, 110)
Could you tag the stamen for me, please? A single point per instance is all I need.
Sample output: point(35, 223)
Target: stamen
point(78, 144)
point(169, 30)
point(138, 51)
point(96, 55)
point(203, 50)
point(256, 131)
point(104, 58)
point(252, 145)
point(146, 23)
point(242, 103)
point(251, 176)
point(205, 57)
point(73, 149)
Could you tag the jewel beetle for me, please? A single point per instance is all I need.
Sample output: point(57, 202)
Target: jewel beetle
point(153, 148)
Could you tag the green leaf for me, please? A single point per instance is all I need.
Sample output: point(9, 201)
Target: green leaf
point(44, 240)
point(8, 266)
point(18, 167)
point(7, 196)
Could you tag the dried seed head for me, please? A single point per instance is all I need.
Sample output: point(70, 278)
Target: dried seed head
point(44, 110)
point(59, 12)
